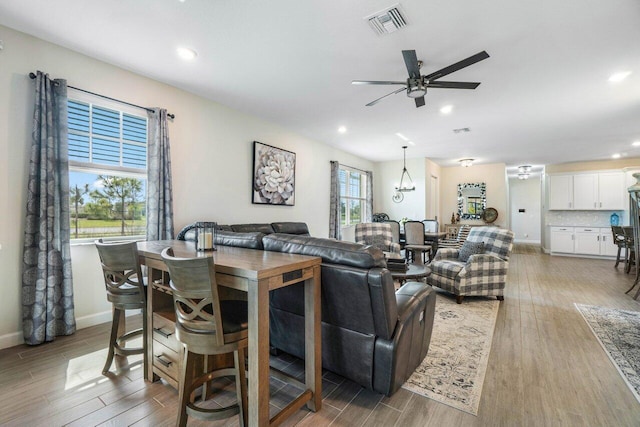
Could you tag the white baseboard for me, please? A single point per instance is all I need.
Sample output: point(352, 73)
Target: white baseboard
point(16, 338)
point(533, 242)
point(93, 319)
point(11, 340)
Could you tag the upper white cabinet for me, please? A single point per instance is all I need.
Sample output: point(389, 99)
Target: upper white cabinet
point(612, 191)
point(560, 192)
point(587, 191)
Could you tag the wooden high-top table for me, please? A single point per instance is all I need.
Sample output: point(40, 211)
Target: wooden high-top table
point(255, 272)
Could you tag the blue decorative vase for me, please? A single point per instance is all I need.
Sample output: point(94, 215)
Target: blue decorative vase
point(614, 219)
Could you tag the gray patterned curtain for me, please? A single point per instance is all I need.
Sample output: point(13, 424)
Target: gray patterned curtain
point(369, 209)
point(159, 193)
point(334, 202)
point(47, 285)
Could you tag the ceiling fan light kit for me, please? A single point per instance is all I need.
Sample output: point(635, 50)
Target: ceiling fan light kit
point(416, 85)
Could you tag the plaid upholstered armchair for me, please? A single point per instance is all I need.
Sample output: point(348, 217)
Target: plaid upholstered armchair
point(377, 234)
point(479, 267)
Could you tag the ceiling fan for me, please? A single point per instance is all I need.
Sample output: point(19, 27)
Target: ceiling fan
point(416, 85)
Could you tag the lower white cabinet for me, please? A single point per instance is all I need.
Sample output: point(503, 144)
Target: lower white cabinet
point(583, 241)
point(607, 246)
point(562, 239)
point(586, 241)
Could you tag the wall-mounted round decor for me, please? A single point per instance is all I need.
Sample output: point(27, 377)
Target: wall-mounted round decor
point(489, 215)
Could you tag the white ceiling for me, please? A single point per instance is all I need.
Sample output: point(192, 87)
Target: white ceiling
point(544, 97)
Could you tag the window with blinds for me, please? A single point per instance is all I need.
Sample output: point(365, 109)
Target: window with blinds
point(353, 196)
point(103, 137)
point(107, 171)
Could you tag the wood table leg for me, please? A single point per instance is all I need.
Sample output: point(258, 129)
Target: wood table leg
point(258, 391)
point(313, 339)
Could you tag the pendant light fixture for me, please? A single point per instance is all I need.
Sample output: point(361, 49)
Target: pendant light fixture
point(405, 184)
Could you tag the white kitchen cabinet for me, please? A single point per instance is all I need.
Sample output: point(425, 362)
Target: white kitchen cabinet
point(612, 194)
point(560, 192)
point(587, 191)
point(586, 241)
point(562, 239)
point(607, 245)
point(593, 241)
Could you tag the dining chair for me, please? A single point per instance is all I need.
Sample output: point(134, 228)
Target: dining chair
point(415, 242)
point(206, 326)
point(125, 288)
point(630, 254)
point(430, 225)
point(620, 241)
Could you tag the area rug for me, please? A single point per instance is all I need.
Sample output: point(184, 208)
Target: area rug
point(618, 331)
point(454, 369)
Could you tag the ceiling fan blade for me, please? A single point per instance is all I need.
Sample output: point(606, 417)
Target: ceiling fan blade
point(382, 97)
point(376, 82)
point(457, 66)
point(453, 85)
point(419, 101)
point(411, 61)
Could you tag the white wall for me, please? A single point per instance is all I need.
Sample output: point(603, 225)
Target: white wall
point(525, 194)
point(211, 152)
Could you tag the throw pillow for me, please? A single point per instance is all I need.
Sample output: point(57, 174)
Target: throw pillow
point(377, 240)
point(470, 248)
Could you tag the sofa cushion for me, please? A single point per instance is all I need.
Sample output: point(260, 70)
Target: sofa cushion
point(243, 228)
point(291, 228)
point(446, 267)
point(330, 250)
point(470, 248)
point(251, 240)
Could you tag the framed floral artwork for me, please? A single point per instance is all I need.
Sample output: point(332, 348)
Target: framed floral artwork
point(274, 173)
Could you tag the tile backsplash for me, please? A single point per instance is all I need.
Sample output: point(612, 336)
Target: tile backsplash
point(583, 218)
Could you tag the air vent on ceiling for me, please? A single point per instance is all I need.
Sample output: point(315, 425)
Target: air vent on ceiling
point(388, 20)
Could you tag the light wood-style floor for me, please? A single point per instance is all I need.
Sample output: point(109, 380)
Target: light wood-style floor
point(545, 369)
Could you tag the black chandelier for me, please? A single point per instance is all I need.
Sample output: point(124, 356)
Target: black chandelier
point(405, 185)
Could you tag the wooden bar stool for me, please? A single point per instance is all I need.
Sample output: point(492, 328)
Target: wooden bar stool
point(126, 291)
point(206, 326)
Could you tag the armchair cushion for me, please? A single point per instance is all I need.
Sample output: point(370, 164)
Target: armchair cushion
point(470, 248)
point(447, 268)
point(377, 240)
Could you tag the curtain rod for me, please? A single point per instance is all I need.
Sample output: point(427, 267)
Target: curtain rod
point(172, 116)
point(351, 167)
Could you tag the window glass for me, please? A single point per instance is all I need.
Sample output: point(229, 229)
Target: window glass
point(107, 171)
point(352, 196)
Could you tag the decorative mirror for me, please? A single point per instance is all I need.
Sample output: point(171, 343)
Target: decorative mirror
point(472, 200)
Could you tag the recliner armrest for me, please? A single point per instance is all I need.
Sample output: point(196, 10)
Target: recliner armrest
point(409, 297)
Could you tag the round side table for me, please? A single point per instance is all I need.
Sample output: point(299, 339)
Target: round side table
point(414, 272)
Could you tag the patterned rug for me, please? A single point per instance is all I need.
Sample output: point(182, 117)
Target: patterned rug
point(618, 331)
point(453, 371)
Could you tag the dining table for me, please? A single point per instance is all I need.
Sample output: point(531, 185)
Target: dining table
point(254, 273)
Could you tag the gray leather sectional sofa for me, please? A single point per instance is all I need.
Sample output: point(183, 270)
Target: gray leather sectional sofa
point(371, 334)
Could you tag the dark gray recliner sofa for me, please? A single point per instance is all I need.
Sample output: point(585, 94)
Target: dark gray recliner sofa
point(371, 334)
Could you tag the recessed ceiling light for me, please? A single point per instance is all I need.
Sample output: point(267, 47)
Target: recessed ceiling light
point(402, 137)
point(618, 77)
point(446, 109)
point(342, 129)
point(636, 143)
point(616, 156)
point(186, 53)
